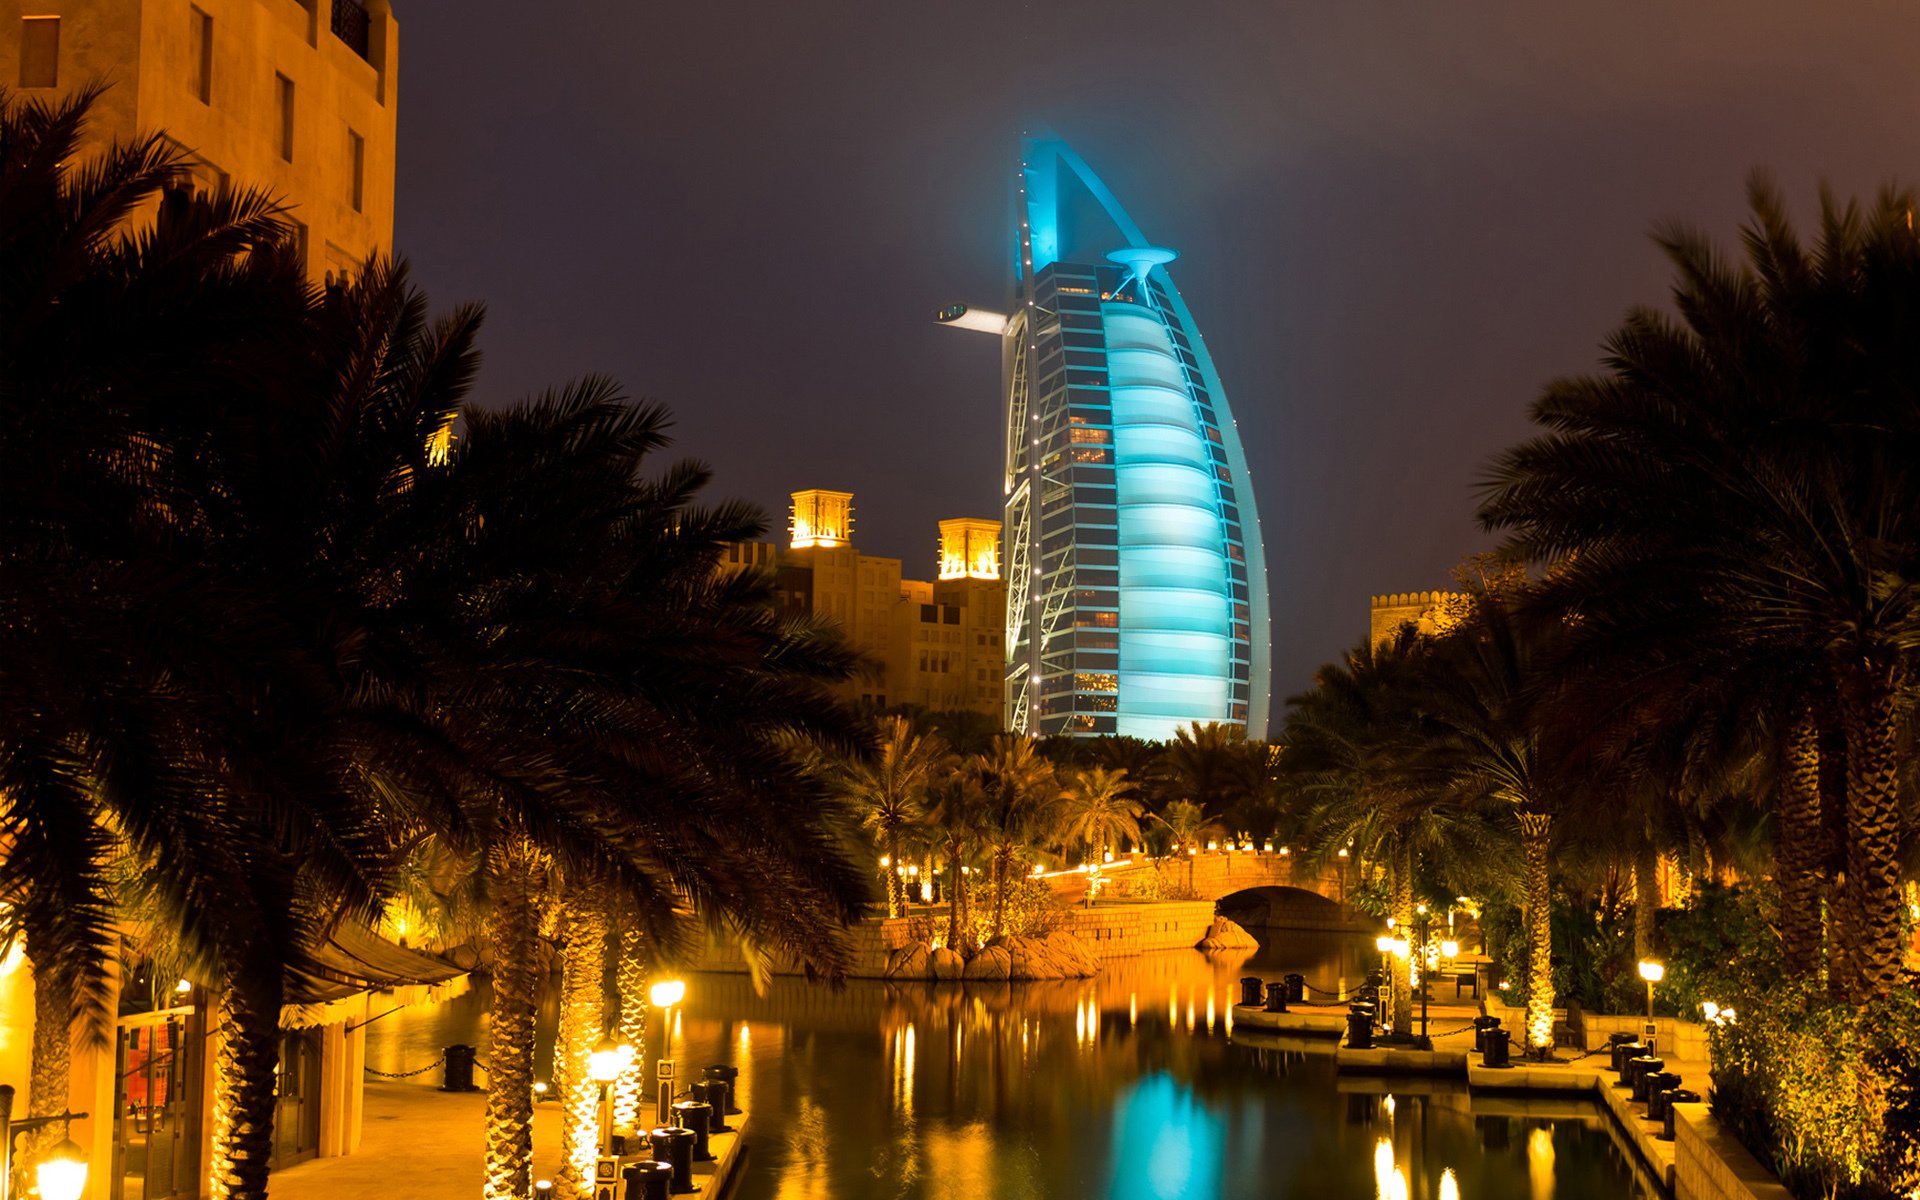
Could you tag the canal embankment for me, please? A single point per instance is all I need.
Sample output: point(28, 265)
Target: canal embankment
point(1697, 1160)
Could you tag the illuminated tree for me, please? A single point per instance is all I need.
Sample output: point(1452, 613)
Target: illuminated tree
point(891, 787)
point(1020, 798)
point(1099, 811)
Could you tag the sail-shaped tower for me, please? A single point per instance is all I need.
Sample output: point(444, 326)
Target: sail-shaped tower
point(1136, 580)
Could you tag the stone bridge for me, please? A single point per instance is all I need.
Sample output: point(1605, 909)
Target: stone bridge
point(1255, 887)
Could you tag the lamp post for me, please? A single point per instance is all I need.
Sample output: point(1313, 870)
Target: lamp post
point(62, 1174)
point(1384, 944)
point(603, 1067)
point(666, 994)
point(1653, 973)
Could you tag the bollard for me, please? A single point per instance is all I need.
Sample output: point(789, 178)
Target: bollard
point(1675, 1096)
point(731, 1077)
point(1480, 1027)
point(1277, 997)
point(458, 1076)
point(1496, 1048)
point(1250, 986)
point(1297, 989)
point(1359, 1029)
point(674, 1145)
point(1623, 1054)
point(714, 1092)
point(697, 1116)
point(1658, 1085)
point(1621, 1047)
point(648, 1180)
point(1637, 1071)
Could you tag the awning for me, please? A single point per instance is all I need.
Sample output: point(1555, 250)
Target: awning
point(354, 963)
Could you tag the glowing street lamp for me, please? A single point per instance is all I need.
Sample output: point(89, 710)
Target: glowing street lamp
point(604, 1065)
point(666, 994)
point(1653, 973)
point(62, 1174)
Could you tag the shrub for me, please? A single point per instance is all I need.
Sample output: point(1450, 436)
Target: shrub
point(1826, 1094)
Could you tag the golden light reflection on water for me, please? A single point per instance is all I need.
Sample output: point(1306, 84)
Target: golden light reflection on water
point(1540, 1164)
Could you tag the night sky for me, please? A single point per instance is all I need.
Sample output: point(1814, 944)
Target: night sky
point(1397, 221)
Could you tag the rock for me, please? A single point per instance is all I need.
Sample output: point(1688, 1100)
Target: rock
point(945, 964)
point(991, 963)
point(1077, 959)
point(1033, 959)
point(909, 961)
point(1223, 934)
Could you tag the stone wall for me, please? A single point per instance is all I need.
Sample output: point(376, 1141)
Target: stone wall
point(1673, 1038)
point(1709, 1164)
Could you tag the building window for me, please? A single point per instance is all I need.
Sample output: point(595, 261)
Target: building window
point(39, 52)
point(283, 93)
point(357, 154)
point(200, 55)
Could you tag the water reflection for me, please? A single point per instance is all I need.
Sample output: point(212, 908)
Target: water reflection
point(1172, 1142)
point(1129, 1086)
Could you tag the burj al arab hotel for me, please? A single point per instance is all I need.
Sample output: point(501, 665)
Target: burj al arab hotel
point(1136, 580)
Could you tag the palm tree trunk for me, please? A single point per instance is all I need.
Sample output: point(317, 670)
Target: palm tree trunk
point(1797, 847)
point(583, 1007)
point(1534, 830)
point(896, 882)
point(514, 928)
point(1646, 898)
point(243, 1085)
point(1873, 830)
point(1841, 925)
point(1402, 862)
point(1002, 860)
point(52, 1058)
point(630, 976)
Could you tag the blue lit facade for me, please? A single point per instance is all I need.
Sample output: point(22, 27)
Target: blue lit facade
point(1137, 597)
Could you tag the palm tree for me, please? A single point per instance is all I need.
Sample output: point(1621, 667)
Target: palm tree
point(1021, 795)
point(1742, 476)
point(1099, 811)
point(891, 788)
point(1491, 746)
point(957, 816)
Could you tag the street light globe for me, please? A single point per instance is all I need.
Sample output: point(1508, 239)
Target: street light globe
point(1449, 949)
point(667, 993)
point(1652, 972)
point(603, 1065)
point(62, 1174)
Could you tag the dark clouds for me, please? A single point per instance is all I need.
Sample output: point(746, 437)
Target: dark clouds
point(1397, 220)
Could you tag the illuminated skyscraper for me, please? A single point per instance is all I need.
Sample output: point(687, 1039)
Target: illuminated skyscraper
point(1136, 581)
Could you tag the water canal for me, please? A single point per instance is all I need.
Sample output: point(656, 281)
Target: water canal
point(1129, 1086)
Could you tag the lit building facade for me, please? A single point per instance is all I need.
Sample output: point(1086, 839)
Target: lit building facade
point(294, 96)
point(932, 643)
point(1137, 592)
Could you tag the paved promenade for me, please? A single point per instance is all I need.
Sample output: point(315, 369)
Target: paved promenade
point(424, 1144)
point(417, 1142)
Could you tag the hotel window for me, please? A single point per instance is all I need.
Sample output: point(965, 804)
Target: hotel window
point(200, 55)
point(357, 156)
point(283, 94)
point(39, 52)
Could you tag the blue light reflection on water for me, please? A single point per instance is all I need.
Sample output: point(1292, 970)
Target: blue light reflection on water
point(1178, 1141)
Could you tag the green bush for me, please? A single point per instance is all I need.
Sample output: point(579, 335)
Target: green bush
point(1826, 1094)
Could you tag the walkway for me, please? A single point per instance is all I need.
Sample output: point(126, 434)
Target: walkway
point(417, 1142)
